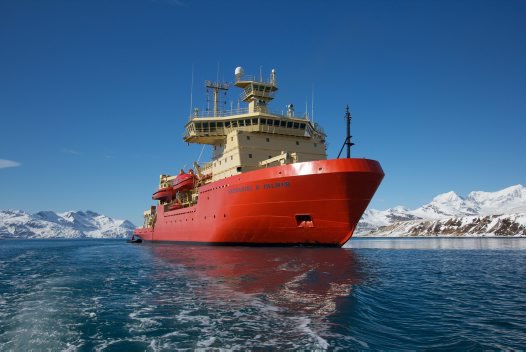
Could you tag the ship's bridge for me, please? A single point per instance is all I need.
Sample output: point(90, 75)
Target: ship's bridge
point(213, 130)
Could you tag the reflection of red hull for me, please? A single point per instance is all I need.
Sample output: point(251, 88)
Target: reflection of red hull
point(258, 270)
point(317, 202)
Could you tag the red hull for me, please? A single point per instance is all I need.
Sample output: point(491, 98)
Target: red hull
point(315, 203)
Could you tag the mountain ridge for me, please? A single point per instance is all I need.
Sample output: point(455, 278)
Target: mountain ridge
point(18, 224)
point(500, 213)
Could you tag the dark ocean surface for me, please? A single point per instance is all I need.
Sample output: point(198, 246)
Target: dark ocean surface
point(390, 294)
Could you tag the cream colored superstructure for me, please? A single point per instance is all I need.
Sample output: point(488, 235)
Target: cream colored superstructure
point(244, 139)
point(252, 138)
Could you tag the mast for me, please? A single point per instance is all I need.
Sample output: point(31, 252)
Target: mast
point(348, 139)
point(347, 143)
point(216, 88)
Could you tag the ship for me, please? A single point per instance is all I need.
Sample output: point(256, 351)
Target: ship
point(269, 181)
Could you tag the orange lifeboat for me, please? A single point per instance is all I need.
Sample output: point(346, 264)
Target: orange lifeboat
point(175, 206)
point(184, 181)
point(164, 194)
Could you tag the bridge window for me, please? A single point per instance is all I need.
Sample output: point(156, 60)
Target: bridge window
point(268, 139)
point(289, 124)
point(263, 121)
point(276, 122)
point(250, 156)
point(302, 126)
point(234, 123)
point(219, 124)
point(296, 125)
point(227, 123)
point(283, 124)
point(248, 138)
point(254, 121)
point(297, 143)
point(247, 123)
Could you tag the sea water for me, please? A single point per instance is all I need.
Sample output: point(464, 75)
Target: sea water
point(107, 295)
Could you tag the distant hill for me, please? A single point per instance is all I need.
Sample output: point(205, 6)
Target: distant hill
point(71, 224)
point(501, 213)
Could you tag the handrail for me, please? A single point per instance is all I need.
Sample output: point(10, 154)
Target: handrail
point(244, 111)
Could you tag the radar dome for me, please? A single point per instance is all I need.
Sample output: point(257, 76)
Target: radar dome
point(239, 71)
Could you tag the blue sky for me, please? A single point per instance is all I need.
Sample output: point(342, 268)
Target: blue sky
point(94, 94)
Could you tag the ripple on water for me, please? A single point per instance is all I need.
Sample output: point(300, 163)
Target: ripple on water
point(109, 296)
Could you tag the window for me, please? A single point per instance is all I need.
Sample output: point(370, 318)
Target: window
point(248, 138)
point(296, 125)
point(289, 124)
point(219, 124)
point(247, 123)
point(276, 122)
point(315, 145)
point(263, 121)
point(268, 139)
point(231, 157)
point(227, 124)
point(254, 121)
point(297, 143)
point(250, 156)
point(239, 168)
point(302, 126)
point(283, 123)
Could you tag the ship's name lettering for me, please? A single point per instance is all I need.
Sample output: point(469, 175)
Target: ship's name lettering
point(265, 186)
point(276, 185)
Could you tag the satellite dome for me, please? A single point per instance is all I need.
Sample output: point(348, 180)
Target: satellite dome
point(239, 71)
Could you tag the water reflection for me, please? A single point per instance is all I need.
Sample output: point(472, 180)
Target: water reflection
point(302, 280)
point(477, 243)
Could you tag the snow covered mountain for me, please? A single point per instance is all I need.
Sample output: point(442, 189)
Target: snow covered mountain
point(71, 224)
point(491, 213)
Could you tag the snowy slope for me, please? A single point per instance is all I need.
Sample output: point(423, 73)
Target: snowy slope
point(436, 218)
point(71, 224)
